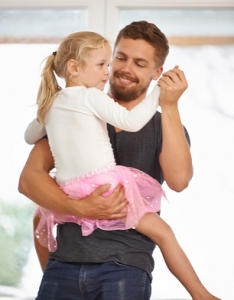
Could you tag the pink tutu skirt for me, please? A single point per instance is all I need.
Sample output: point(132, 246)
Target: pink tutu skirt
point(143, 193)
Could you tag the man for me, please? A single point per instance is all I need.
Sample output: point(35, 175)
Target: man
point(116, 264)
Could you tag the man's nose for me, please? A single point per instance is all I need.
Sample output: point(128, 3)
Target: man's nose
point(127, 66)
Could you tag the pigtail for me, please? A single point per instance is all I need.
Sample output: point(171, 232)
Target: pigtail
point(48, 89)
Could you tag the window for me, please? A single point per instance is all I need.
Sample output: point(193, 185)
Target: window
point(40, 25)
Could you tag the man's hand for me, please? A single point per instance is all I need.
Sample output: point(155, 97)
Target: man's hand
point(96, 206)
point(173, 84)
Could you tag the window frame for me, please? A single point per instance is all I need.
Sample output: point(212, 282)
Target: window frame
point(106, 20)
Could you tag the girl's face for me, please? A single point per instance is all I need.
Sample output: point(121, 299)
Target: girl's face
point(96, 72)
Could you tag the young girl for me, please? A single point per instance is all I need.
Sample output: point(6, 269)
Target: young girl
point(74, 119)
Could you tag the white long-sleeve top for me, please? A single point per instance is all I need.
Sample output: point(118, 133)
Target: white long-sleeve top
point(77, 131)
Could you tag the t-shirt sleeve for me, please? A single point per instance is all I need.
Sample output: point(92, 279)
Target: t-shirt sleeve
point(34, 132)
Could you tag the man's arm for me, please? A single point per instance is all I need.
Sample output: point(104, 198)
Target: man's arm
point(175, 158)
point(36, 184)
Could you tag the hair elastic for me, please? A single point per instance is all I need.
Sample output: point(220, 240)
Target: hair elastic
point(54, 53)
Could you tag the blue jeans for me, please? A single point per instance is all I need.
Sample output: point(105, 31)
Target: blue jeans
point(88, 281)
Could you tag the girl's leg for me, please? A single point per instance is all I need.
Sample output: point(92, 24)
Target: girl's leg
point(160, 232)
point(42, 252)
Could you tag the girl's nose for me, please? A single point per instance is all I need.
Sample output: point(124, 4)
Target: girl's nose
point(107, 71)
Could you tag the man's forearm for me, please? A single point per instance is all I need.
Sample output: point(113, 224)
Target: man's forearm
point(175, 158)
point(44, 191)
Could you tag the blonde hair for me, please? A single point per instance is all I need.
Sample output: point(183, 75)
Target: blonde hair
point(75, 46)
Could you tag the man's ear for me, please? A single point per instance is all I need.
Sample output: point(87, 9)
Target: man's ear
point(157, 73)
point(72, 67)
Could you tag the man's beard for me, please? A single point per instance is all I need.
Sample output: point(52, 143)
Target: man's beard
point(126, 94)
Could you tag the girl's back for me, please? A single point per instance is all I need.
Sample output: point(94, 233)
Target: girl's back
point(78, 139)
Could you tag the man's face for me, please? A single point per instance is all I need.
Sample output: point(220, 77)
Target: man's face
point(132, 69)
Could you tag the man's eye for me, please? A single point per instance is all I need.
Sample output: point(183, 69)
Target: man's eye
point(140, 65)
point(119, 57)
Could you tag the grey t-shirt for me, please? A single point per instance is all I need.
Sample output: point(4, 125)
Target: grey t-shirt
point(133, 149)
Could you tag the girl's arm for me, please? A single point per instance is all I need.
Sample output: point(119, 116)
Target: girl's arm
point(34, 132)
point(106, 109)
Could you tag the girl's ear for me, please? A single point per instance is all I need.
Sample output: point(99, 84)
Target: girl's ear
point(72, 67)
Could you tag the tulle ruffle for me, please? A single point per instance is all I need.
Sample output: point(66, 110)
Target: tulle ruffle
point(143, 193)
